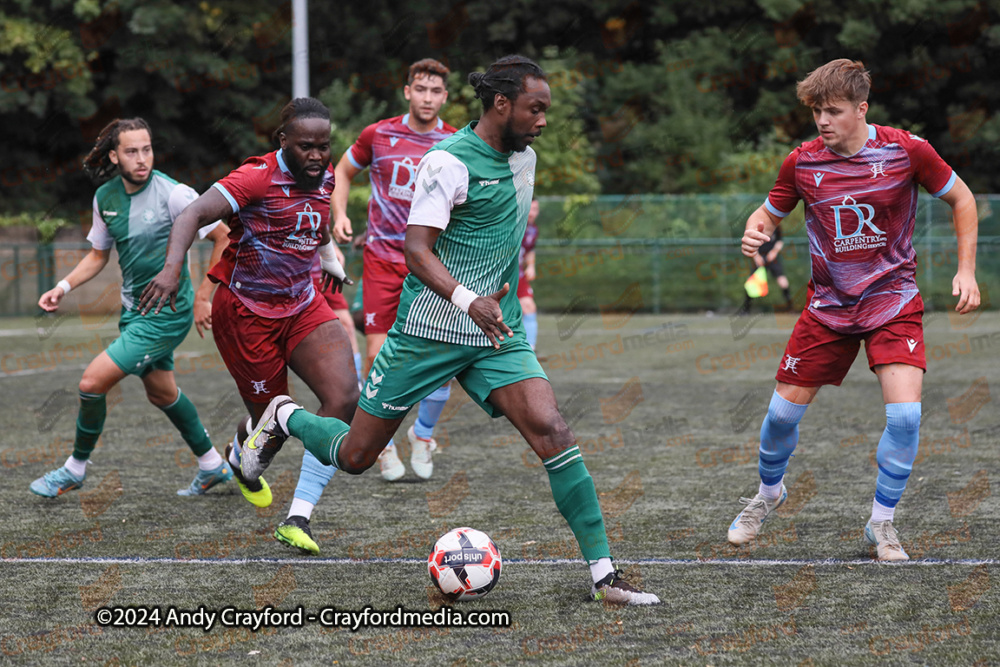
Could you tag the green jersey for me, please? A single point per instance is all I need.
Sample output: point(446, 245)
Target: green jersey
point(479, 198)
point(139, 225)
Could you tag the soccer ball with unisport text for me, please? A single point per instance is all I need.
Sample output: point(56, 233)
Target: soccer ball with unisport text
point(465, 564)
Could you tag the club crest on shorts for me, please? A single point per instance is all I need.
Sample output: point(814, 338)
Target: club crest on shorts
point(791, 363)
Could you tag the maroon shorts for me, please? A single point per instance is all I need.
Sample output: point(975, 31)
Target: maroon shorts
point(335, 300)
point(256, 349)
point(383, 281)
point(524, 288)
point(817, 355)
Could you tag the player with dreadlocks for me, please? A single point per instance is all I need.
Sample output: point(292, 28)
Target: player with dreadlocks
point(459, 316)
point(267, 315)
point(390, 149)
point(135, 212)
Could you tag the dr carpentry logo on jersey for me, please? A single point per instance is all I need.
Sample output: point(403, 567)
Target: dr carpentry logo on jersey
point(845, 214)
point(398, 189)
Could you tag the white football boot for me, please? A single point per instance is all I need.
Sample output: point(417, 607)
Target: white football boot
point(883, 537)
point(422, 451)
point(389, 464)
point(746, 526)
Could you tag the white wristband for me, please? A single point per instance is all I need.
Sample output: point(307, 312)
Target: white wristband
point(65, 286)
point(463, 297)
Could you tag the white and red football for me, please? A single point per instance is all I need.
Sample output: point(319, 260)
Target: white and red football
point(465, 564)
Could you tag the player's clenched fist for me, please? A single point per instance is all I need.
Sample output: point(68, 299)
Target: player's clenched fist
point(753, 239)
point(50, 300)
point(485, 312)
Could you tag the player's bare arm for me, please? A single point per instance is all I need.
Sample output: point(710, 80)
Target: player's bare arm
point(424, 264)
point(760, 226)
point(344, 173)
point(88, 267)
point(163, 288)
point(203, 296)
point(966, 218)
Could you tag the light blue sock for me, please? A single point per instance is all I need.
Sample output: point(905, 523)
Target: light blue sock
point(430, 411)
point(313, 478)
point(778, 436)
point(357, 368)
point(896, 451)
point(531, 328)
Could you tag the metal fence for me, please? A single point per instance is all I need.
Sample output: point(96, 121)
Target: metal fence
point(653, 253)
point(659, 253)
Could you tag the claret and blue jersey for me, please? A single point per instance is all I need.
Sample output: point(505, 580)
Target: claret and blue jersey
point(860, 215)
point(274, 235)
point(392, 150)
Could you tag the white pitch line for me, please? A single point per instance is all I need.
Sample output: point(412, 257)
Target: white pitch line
point(37, 371)
point(513, 561)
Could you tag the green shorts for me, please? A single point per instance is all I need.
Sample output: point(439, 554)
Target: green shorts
point(408, 369)
point(148, 343)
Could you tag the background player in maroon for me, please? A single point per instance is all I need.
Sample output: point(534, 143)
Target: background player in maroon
point(338, 304)
point(391, 150)
point(266, 317)
point(859, 184)
point(525, 294)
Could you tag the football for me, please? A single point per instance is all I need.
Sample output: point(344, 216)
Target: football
point(465, 564)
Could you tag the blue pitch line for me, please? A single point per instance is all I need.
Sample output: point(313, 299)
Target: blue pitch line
point(305, 560)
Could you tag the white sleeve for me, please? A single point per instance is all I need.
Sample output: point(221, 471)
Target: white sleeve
point(180, 198)
point(207, 229)
point(442, 184)
point(99, 236)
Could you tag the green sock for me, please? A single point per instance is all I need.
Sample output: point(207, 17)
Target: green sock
point(322, 436)
point(89, 424)
point(184, 416)
point(576, 497)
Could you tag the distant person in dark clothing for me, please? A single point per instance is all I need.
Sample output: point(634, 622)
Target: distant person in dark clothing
point(768, 257)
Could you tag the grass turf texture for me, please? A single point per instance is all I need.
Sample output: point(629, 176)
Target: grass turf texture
point(671, 453)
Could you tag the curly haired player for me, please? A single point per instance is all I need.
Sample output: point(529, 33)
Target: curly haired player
point(135, 212)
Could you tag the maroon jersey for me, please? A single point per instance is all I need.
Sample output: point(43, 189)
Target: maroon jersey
point(274, 234)
point(527, 245)
point(859, 216)
point(393, 151)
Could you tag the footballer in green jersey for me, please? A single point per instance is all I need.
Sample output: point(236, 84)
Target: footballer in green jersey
point(134, 212)
point(459, 316)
